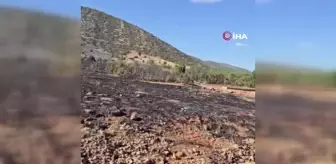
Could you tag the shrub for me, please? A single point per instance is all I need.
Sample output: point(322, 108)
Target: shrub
point(188, 80)
point(167, 66)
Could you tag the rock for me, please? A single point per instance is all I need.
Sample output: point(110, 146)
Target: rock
point(135, 117)
point(106, 99)
point(179, 155)
point(166, 153)
point(89, 98)
point(103, 126)
point(118, 99)
point(106, 103)
point(139, 94)
point(155, 140)
point(118, 113)
point(229, 156)
point(88, 119)
point(196, 152)
point(85, 130)
point(149, 161)
point(249, 141)
point(206, 127)
point(89, 111)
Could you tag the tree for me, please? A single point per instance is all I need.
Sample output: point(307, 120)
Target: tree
point(183, 69)
point(232, 78)
point(180, 69)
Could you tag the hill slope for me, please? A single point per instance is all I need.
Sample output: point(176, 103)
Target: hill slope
point(225, 66)
point(118, 37)
point(128, 50)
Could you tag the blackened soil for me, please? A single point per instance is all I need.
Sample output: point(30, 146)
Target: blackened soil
point(128, 121)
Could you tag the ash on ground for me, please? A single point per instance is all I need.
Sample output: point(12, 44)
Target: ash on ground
point(129, 121)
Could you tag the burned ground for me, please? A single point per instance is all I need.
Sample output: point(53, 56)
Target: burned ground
point(128, 121)
point(39, 114)
point(294, 128)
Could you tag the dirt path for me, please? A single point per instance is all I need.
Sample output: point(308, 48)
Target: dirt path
point(214, 87)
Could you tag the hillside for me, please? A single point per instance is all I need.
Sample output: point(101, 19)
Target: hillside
point(125, 49)
point(118, 37)
point(225, 66)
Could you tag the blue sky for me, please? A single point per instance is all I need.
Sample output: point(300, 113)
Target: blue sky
point(297, 32)
point(293, 31)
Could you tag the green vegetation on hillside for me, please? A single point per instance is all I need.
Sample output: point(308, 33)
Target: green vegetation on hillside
point(179, 73)
point(117, 36)
point(156, 60)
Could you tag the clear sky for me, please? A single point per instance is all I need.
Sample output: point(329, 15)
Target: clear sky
point(295, 31)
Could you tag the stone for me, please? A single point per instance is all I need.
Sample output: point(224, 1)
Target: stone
point(135, 117)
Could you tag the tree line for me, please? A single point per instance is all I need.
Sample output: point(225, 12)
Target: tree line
point(180, 73)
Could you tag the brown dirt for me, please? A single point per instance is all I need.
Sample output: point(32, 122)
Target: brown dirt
point(223, 88)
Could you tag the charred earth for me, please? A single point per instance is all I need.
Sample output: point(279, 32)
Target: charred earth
point(128, 121)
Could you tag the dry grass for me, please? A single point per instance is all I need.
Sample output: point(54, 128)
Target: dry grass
point(144, 58)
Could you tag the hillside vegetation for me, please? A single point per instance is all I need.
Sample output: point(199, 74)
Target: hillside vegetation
point(118, 47)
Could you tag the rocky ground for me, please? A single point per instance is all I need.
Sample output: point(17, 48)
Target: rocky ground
point(128, 121)
point(295, 128)
point(39, 113)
